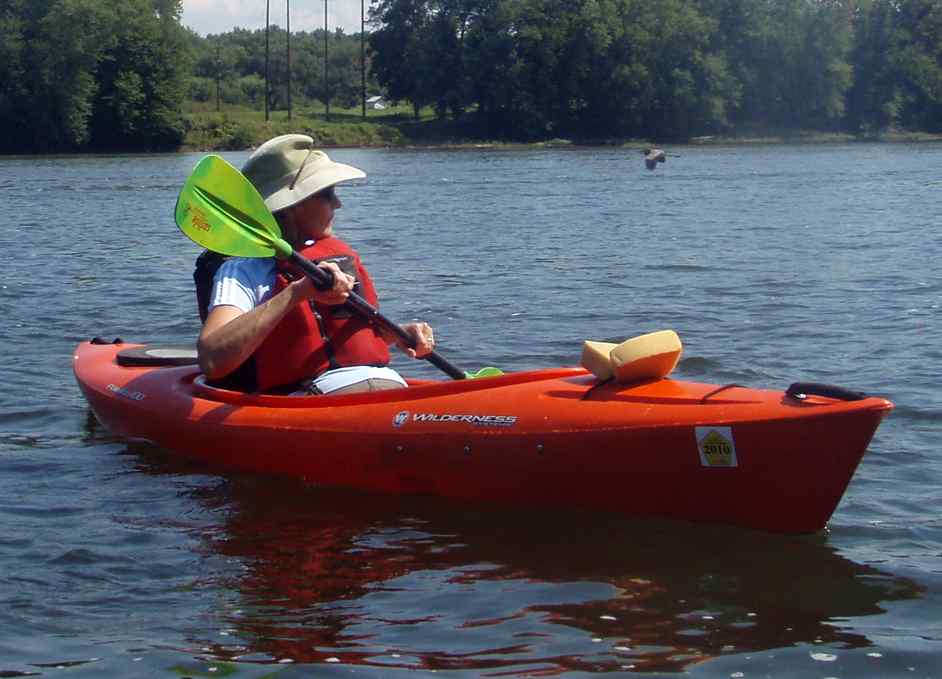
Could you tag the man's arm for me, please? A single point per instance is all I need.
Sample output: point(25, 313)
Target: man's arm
point(230, 335)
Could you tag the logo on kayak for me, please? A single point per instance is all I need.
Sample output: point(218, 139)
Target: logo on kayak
point(717, 448)
point(121, 391)
point(403, 416)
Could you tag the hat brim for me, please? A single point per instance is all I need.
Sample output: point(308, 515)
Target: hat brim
point(312, 180)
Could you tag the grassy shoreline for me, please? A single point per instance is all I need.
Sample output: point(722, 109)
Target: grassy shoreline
point(246, 129)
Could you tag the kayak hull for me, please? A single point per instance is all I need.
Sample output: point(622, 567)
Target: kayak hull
point(552, 438)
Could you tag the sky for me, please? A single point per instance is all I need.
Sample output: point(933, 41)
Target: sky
point(220, 16)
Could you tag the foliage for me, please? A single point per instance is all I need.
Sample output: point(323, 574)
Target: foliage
point(233, 64)
point(110, 74)
point(917, 54)
point(91, 74)
point(596, 69)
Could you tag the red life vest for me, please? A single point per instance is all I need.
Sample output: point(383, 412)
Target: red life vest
point(315, 337)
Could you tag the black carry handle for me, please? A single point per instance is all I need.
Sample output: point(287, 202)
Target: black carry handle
point(801, 390)
point(324, 280)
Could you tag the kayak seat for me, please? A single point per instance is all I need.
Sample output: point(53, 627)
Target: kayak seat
point(204, 272)
point(646, 357)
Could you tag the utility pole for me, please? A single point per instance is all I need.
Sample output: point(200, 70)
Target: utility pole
point(288, 12)
point(267, 8)
point(326, 81)
point(363, 53)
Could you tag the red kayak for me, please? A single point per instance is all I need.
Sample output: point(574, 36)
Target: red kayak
point(727, 454)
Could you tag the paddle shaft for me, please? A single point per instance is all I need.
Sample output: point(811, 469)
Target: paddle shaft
point(324, 279)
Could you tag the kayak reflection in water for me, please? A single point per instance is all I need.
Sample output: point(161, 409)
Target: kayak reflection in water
point(420, 584)
point(266, 326)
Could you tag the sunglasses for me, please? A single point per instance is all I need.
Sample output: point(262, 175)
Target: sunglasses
point(327, 194)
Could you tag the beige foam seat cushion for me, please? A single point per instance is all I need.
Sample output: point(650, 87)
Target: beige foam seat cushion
point(646, 357)
point(596, 358)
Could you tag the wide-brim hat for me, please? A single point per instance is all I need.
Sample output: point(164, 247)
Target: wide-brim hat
point(288, 169)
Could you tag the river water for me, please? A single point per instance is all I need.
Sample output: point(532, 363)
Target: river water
point(774, 264)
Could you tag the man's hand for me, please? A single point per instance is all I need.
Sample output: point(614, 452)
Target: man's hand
point(343, 286)
point(424, 340)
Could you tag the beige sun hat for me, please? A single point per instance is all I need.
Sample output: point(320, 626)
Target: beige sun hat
point(288, 169)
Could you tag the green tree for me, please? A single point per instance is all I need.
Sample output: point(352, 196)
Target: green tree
point(13, 69)
point(214, 68)
point(344, 70)
point(141, 78)
point(540, 96)
point(71, 40)
point(87, 74)
point(873, 102)
point(740, 38)
point(678, 84)
point(918, 58)
point(253, 88)
point(491, 66)
point(791, 59)
point(402, 65)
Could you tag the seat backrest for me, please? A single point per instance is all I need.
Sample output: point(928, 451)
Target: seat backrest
point(203, 273)
point(646, 357)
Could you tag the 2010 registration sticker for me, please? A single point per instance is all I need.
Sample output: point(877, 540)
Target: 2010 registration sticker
point(717, 447)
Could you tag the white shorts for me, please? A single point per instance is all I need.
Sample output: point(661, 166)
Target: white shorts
point(339, 378)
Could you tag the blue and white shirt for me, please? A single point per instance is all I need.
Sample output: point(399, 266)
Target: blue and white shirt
point(243, 282)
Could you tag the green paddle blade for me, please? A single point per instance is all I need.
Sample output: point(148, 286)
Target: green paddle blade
point(221, 210)
point(488, 371)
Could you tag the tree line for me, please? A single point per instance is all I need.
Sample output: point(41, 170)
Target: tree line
point(665, 68)
point(117, 74)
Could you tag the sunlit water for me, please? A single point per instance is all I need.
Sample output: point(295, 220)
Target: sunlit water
point(775, 264)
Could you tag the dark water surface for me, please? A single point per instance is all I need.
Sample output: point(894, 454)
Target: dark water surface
point(775, 264)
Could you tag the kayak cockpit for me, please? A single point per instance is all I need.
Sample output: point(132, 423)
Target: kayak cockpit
point(417, 389)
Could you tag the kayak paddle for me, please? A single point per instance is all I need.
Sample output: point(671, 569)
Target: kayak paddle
point(221, 210)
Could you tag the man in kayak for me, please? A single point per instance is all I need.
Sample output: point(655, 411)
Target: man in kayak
point(266, 325)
